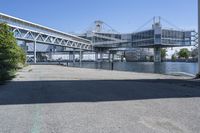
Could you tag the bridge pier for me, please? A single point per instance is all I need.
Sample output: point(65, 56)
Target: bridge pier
point(111, 56)
point(157, 54)
point(72, 56)
point(101, 55)
point(111, 59)
point(80, 57)
point(123, 56)
point(96, 56)
point(35, 52)
point(52, 51)
point(26, 49)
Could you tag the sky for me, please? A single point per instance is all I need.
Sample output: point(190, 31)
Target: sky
point(122, 15)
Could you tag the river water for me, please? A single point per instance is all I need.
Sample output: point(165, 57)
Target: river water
point(145, 67)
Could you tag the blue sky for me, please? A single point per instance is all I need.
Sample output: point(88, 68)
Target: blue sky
point(122, 15)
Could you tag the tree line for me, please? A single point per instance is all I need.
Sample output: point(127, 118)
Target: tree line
point(183, 53)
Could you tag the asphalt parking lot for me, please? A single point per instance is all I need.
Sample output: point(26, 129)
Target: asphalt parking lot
point(57, 99)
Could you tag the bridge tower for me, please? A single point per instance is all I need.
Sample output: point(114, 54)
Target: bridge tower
point(98, 26)
point(157, 39)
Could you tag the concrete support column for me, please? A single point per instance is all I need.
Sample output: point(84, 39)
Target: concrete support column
point(51, 54)
point(101, 55)
point(74, 57)
point(96, 56)
point(80, 57)
point(52, 51)
point(35, 52)
point(54, 48)
point(69, 54)
point(199, 32)
point(157, 54)
point(109, 59)
point(26, 49)
point(113, 57)
point(123, 56)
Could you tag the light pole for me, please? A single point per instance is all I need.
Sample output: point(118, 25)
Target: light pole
point(199, 36)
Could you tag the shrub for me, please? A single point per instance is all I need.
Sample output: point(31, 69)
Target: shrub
point(11, 55)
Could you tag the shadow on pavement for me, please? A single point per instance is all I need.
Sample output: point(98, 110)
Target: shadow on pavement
point(33, 92)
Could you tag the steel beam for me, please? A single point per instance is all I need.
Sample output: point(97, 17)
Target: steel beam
point(45, 38)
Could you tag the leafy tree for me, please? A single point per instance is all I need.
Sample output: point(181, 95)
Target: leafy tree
point(11, 55)
point(184, 53)
point(194, 53)
point(163, 53)
point(174, 57)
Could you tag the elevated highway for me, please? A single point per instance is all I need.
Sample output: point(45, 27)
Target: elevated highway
point(32, 32)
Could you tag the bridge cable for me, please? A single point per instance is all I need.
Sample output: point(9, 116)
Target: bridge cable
point(171, 24)
point(111, 28)
point(146, 23)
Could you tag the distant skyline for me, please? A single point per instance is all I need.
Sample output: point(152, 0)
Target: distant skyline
point(123, 15)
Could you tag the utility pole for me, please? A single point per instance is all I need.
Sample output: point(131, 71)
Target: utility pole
point(199, 36)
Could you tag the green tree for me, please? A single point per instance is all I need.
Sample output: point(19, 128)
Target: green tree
point(174, 57)
point(184, 53)
point(194, 53)
point(11, 55)
point(163, 53)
